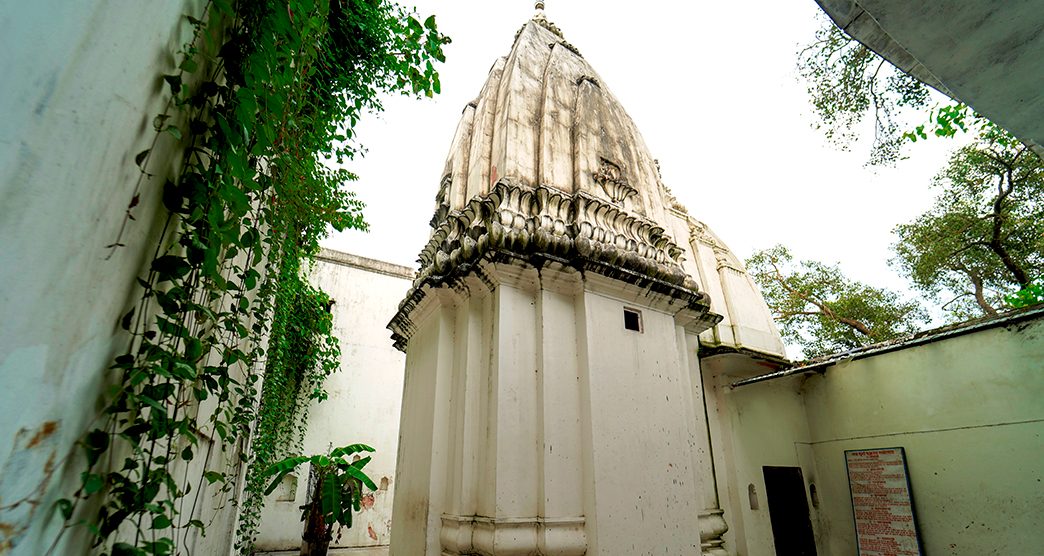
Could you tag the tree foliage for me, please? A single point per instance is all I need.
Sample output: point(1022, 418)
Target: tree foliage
point(980, 243)
point(823, 311)
point(336, 487)
point(983, 239)
point(1032, 294)
point(847, 82)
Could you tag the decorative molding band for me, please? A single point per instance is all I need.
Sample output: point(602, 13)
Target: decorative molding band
point(518, 223)
point(486, 536)
point(533, 220)
point(712, 527)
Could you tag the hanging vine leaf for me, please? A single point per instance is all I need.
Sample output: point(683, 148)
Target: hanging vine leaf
point(95, 443)
point(170, 267)
point(139, 158)
point(159, 121)
point(175, 83)
point(125, 322)
point(173, 130)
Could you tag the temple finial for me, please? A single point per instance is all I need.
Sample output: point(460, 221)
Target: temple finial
point(541, 19)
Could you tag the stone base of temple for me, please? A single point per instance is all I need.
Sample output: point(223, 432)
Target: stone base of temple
point(512, 536)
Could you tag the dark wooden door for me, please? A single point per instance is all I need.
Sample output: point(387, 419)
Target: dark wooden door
point(788, 511)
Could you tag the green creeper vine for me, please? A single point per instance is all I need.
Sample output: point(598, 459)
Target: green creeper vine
point(301, 354)
point(228, 340)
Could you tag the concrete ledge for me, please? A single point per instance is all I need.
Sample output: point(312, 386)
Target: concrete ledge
point(372, 265)
point(364, 551)
point(1006, 319)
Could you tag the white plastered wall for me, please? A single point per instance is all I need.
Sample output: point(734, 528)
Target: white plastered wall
point(644, 474)
point(754, 426)
point(534, 420)
point(967, 410)
point(970, 413)
point(82, 84)
point(365, 397)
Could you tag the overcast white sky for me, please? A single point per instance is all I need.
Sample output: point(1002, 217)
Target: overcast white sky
point(713, 88)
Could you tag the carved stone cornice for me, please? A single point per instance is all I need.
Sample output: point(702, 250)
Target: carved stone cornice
point(442, 203)
point(542, 220)
point(712, 528)
point(518, 223)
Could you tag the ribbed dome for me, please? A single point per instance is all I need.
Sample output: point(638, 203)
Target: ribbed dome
point(547, 162)
point(545, 118)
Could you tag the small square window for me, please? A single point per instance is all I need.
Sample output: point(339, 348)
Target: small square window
point(633, 320)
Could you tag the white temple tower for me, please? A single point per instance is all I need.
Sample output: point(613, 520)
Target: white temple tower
point(552, 398)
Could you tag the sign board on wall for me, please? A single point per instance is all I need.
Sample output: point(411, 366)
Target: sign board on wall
point(881, 502)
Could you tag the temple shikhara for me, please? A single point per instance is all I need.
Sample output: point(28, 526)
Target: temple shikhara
point(552, 329)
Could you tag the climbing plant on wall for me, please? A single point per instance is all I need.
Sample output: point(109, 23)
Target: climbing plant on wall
point(229, 342)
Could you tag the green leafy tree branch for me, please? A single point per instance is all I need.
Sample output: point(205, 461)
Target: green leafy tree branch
point(983, 238)
point(823, 311)
point(847, 81)
point(978, 244)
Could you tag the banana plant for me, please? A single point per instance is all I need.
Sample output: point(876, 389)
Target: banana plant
point(336, 492)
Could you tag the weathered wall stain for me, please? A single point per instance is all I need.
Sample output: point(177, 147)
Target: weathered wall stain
point(24, 480)
point(45, 432)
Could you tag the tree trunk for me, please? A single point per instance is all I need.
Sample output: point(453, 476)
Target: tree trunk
point(315, 541)
point(855, 325)
point(996, 245)
point(318, 548)
point(1020, 276)
point(980, 297)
